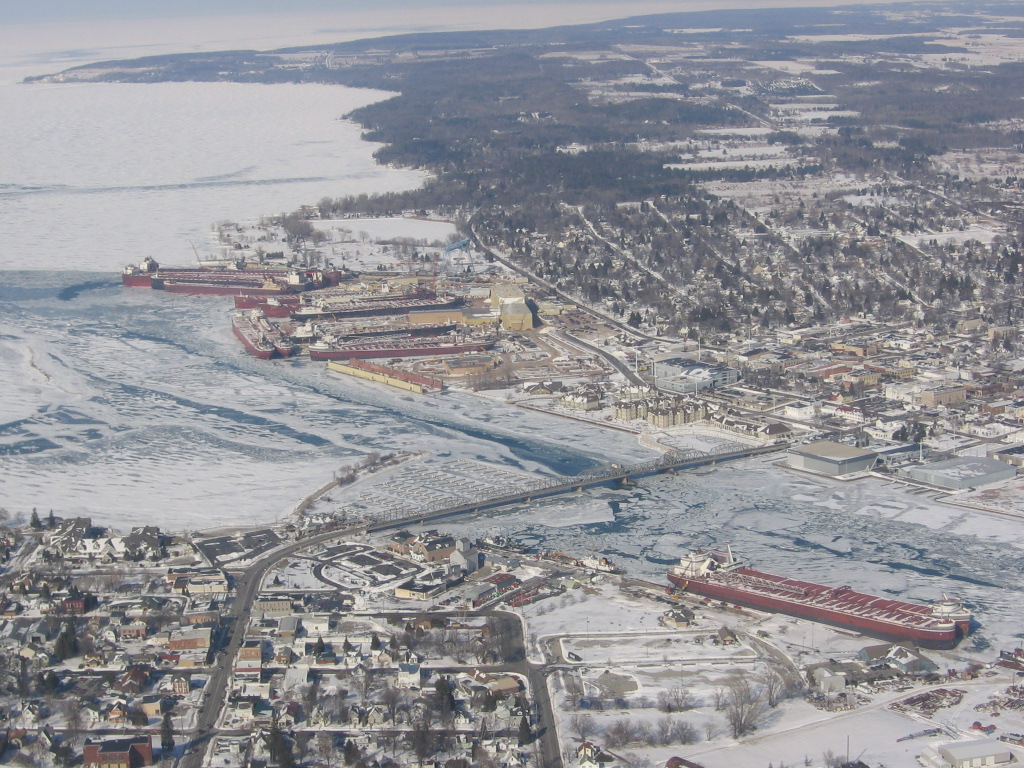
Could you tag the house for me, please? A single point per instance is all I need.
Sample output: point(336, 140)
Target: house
point(409, 676)
point(677, 618)
point(92, 715)
point(118, 712)
point(589, 755)
point(372, 716)
point(401, 542)
point(152, 705)
point(144, 543)
point(726, 636)
point(907, 660)
point(133, 681)
point(180, 686)
point(134, 752)
point(69, 533)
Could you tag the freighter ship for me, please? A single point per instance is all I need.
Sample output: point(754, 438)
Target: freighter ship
point(240, 279)
point(396, 347)
point(373, 307)
point(721, 576)
point(255, 341)
point(261, 337)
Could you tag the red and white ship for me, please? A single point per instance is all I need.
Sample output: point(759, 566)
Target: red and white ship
point(721, 576)
point(237, 279)
point(256, 342)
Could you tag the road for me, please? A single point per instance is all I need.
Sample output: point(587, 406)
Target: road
point(247, 585)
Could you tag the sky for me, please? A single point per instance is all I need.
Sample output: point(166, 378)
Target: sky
point(530, 12)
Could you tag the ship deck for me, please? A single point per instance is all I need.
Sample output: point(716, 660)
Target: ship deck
point(839, 599)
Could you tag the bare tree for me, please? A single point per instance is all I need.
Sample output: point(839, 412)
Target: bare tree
point(325, 747)
point(719, 697)
point(744, 705)
point(392, 698)
point(582, 727)
point(711, 730)
point(72, 712)
point(683, 732)
point(619, 733)
point(662, 733)
point(675, 699)
point(633, 760)
point(774, 685)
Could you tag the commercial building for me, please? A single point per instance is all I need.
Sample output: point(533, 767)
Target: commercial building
point(830, 458)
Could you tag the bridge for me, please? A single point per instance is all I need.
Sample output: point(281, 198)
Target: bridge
point(556, 486)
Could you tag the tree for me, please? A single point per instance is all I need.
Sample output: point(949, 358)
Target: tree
point(35, 523)
point(319, 647)
point(72, 712)
point(391, 698)
point(582, 727)
point(166, 733)
point(65, 646)
point(525, 733)
point(325, 747)
point(744, 706)
point(774, 684)
point(422, 738)
point(374, 642)
point(278, 746)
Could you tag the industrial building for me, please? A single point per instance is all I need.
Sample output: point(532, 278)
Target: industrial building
point(966, 754)
point(684, 376)
point(962, 472)
point(830, 458)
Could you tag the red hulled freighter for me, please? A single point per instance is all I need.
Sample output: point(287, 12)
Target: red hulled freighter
point(721, 576)
point(238, 279)
point(260, 337)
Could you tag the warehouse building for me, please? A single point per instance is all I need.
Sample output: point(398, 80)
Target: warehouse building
point(829, 458)
point(962, 472)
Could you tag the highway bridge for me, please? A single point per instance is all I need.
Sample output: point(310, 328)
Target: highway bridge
point(557, 486)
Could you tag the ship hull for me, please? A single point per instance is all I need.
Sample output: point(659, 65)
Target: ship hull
point(284, 350)
point(284, 305)
point(936, 638)
point(252, 346)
